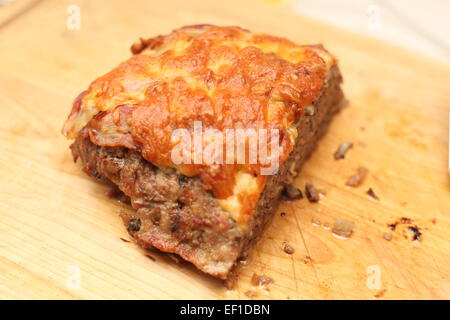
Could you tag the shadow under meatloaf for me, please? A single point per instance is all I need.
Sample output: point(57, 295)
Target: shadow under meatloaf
point(175, 214)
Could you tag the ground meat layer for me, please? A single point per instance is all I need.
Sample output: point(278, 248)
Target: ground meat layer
point(175, 214)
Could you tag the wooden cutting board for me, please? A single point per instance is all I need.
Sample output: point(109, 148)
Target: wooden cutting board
point(61, 234)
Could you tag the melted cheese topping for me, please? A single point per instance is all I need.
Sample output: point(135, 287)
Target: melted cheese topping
point(245, 186)
point(225, 77)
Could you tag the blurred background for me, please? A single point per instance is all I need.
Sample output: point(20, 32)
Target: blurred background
point(421, 25)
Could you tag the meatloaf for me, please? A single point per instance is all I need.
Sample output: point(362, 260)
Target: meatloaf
point(195, 79)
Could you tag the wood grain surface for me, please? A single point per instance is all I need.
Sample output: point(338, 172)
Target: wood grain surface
point(57, 226)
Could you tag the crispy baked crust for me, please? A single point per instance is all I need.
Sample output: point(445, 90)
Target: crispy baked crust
point(227, 78)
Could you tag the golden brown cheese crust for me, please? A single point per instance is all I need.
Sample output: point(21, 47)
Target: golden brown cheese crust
point(225, 77)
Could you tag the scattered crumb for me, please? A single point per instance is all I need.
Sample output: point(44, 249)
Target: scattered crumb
point(405, 220)
point(392, 226)
point(410, 226)
point(260, 285)
point(357, 179)
point(417, 235)
point(150, 257)
point(316, 222)
point(387, 236)
point(288, 248)
point(307, 260)
point(311, 192)
point(326, 226)
point(262, 280)
point(372, 194)
point(343, 228)
point(292, 193)
point(125, 240)
point(380, 293)
point(433, 221)
point(342, 150)
point(282, 214)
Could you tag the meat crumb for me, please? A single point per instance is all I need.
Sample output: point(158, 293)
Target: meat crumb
point(342, 150)
point(372, 194)
point(358, 178)
point(288, 248)
point(417, 235)
point(292, 193)
point(405, 220)
point(407, 223)
point(311, 192)
point(343, 228)
point(261, 280)
point(387, 236)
